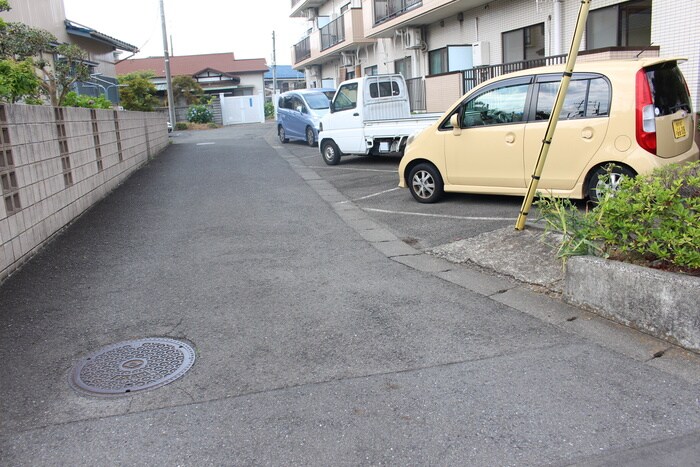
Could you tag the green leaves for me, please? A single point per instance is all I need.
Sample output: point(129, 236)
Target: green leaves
point(140, 92)
point(18, 80)
point(656, 217)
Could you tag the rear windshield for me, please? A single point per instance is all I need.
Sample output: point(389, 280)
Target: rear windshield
point(317, 100)
point(668, 89)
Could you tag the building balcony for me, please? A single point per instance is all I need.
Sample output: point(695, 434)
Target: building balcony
point(386, 16)
point(300, 7)
point(344, 34)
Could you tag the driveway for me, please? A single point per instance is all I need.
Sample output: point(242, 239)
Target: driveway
point(320, 339)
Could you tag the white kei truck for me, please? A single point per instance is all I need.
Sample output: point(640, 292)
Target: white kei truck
point(370, 116)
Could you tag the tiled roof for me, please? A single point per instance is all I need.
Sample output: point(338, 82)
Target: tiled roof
point(189, 65)
point(285, 72)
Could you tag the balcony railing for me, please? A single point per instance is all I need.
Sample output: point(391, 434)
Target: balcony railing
point(475, 76)
point(333, 33)
point(384, 10)
point(302, 50)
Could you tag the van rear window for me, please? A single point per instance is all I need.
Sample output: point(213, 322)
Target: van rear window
point(668, 89)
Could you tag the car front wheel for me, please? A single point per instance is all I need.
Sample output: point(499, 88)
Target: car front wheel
point(310, 137)
point(425, 183)
point(331, 153)
point(282, 135)
point(606, 180)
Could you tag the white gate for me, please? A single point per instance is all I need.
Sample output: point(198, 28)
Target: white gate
point(242, 109)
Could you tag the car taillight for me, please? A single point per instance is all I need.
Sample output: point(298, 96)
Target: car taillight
point(646, 118)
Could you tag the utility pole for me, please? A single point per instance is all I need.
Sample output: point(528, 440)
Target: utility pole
point(274, 67)
point(168, 78)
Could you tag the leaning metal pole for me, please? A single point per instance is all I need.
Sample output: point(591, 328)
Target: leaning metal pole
point(554, 117)
point(168, 78)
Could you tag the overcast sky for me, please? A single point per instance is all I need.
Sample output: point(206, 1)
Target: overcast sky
point(243, 27)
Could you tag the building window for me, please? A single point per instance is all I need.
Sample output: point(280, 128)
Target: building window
point(450, 58)
point(523, 44)
point(371, 70)
point(623, 25)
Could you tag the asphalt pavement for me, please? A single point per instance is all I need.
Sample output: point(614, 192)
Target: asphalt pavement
point(321, 337)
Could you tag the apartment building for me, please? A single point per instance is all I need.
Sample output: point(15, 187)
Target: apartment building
point(445, 47)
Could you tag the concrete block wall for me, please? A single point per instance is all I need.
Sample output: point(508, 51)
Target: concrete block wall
point(57, 162)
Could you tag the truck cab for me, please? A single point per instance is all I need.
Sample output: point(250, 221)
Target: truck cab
point(369, 116)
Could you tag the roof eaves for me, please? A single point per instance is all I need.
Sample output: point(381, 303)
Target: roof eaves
point(77, 29)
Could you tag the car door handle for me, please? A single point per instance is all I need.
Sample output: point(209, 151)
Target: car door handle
point(355, 114)
point(510, 138)
point(587, 133)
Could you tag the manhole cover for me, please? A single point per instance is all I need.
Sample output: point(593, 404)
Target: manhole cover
point(132, 366)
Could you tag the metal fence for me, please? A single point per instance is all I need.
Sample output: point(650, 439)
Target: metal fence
point(416, 94)
point(475, 76)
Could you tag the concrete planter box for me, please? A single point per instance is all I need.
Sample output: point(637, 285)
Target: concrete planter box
point(663, 304)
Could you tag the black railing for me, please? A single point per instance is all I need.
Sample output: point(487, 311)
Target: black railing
point(302, 50)
point(475, 76)
point(416, 93)
point(384, 10)
point(333, 33)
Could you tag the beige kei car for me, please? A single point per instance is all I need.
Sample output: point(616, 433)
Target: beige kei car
point(635, 114)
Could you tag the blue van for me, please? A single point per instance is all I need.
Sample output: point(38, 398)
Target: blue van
point(299, 113)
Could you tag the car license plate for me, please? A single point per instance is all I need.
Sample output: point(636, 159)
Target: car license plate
point(679, 128)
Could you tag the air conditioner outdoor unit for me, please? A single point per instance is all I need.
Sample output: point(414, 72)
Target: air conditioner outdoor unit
point(481, 53)
point(347, 59)
point(413, 38)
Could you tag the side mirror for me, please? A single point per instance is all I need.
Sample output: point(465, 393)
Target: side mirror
point(454, 121)
point(331, 107)
point(300, 109)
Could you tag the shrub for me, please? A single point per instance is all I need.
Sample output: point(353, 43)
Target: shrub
point(652, 217)
point(199, 114)
point(181, 126)
point(72, 99)
point(655, 216)
point(269, 110)
point(212, 125)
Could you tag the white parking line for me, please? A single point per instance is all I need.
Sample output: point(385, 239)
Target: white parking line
point(444, 216)
point(350, 168)
point(370, 196)
point(204, 144)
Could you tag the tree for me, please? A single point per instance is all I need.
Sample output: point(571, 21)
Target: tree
point(140, 92)
point(58, 66)
point(18, 81)
point(188, 89)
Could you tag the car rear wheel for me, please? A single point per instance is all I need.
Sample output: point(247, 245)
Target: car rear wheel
point(425, 183)
point(310, 137)
point(331, 153)
point(606, 180)
point(282, 135)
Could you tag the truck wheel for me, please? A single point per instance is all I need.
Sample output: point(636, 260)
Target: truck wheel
point(282, 135)
point(310, 138)
point(425, 183)
point(331, 153)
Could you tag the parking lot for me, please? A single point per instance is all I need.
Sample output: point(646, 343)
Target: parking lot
point(372, 184)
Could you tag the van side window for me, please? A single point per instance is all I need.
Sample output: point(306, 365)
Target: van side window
point(346, 97)
point(585, 98)
point(384, 89)
point(497, 106)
